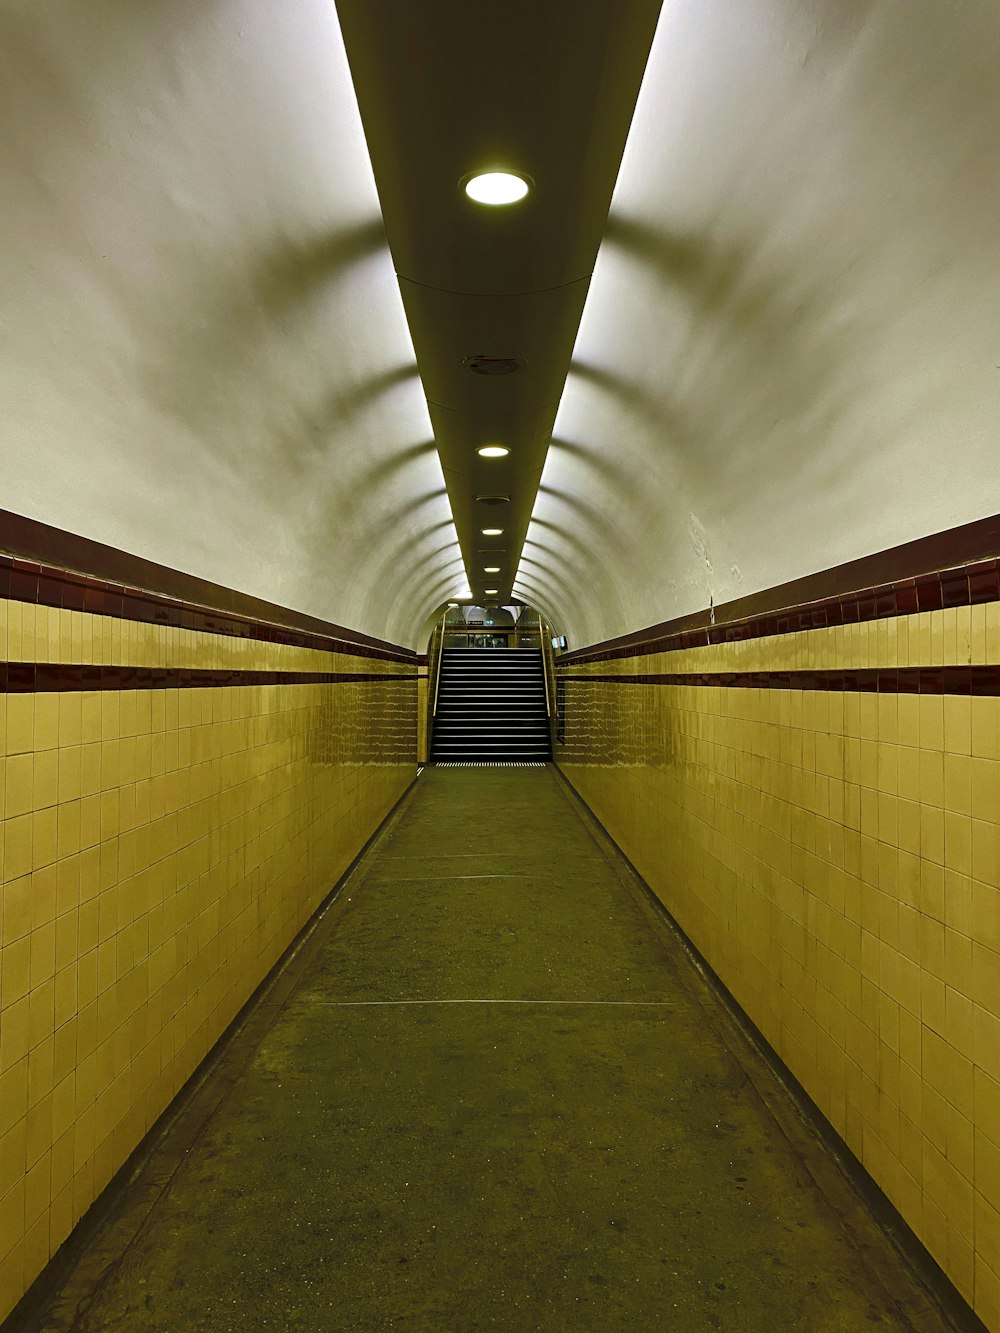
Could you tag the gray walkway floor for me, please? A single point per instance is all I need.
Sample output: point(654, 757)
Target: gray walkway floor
point(490, 1092)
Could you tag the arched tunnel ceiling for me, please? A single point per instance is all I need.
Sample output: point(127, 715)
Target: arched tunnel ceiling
point(205, 359)
point(788, 357)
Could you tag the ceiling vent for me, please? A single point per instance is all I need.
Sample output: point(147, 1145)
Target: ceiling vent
point(494, 365)
point(493, 499)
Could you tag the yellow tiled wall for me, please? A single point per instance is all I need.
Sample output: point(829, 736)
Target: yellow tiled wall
point(160, 849)
point(836, 859)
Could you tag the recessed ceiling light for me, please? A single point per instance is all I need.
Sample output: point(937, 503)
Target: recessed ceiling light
point(491, 569)
point(452, 604)
point(492, 532)
point(496, 187)
point(493, 451)
point(491, 592)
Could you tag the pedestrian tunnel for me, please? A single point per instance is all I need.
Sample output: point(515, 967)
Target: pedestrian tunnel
point(499, 664)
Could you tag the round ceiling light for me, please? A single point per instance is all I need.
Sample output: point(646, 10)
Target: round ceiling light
point(491, 532)
point(493, 451)
point(496, 188)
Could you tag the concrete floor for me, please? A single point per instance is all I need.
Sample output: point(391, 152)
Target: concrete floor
point(490, 1092)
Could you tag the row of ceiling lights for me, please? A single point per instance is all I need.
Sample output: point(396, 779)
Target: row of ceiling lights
point(496, 188)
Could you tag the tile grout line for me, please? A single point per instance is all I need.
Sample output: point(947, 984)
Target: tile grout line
point(371, 1004)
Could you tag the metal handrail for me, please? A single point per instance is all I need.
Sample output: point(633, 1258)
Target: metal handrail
point(548, 666)
point(436, 670)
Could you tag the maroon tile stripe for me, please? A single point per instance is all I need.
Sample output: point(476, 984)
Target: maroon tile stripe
point(47, 677)
point(954, 568)
point(969, 680)
point(44, 565)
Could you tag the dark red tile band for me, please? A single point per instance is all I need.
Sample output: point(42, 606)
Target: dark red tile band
point(954, 568)
point(968, 680)
point(48, 567)
point(49, 677)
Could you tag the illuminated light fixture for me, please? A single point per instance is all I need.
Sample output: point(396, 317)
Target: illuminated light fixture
point(491, 569)
point(493, 451)
point(496, 187)
point(491, 592)
point(491, 532)
point(452, 605)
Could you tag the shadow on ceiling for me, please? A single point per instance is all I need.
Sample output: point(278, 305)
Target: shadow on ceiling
point(795, 363)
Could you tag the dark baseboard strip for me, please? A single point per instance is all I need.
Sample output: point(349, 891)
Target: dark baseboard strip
point(45, 566)
point(948, 569)
point(968, 680)
point(115, 1217)
point(52, 677)
point(926, 1271)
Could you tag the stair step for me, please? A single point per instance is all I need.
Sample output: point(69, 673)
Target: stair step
point(491, 706)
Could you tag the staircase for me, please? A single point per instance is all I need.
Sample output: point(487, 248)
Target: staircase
point(491, 706)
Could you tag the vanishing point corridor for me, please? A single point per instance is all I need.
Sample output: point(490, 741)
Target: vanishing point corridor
point(490, 1091)
point(499, 666)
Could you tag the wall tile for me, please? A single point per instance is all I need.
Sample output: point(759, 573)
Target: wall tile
point(836, 858)
point(160, 848)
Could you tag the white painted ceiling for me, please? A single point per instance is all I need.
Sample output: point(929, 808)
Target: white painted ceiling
point(788, 356)
point(790, 353)
point(203, 353)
